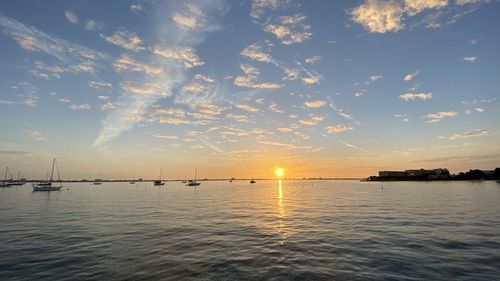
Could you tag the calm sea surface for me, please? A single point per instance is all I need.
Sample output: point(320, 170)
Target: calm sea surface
point(299, 230)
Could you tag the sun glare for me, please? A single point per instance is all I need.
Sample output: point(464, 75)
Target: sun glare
point(279, 172)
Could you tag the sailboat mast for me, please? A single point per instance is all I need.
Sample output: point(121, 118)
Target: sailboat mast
point(52, 173)
point(6, 170)
point(195, 173)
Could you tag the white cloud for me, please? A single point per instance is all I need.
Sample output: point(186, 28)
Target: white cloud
point(165, 136)
point(81, 106)
point(290, 30)
point(259, 7)
point(186, 55)
point(239, 118)
point(71, 57)
point(470, 59)
point(128, 63)
point(414, 96)
point(291, 74)
point(274, 108)
point(250, 79)
point(246, 107)
point(30, 102)
point(99, 84)
point(376, 77)
point(439, 116)
point(71, 17)
point(136, 7)
point(338, 129)
point(469, 134)
point(379, 16)
point(191, 17)
point(314, 120)
point(311, 79)
point(466, 2)
point(36, 135)
point(125, 39)
point(107, 106)
point(410, 76)
point(383, 16)
point(148, 88)
point(416, 6)
point(313, 59)
point(92, 25)
point(315, 103)
point(254, 52)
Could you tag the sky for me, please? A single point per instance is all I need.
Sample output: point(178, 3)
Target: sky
point(120, 89)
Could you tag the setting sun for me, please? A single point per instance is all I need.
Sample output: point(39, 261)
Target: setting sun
point(279, 172)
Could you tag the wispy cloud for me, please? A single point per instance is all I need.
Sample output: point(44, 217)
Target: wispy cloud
point(410, 76)
point(250, 79)
point(439, 116)
point(470, 59)
point(125, 39)
point(71, 17)
point(414, 96)
point(36, 135)
point(176, 54)
point(338, 129)
point(290, 29)
point(313, 120)
point(71, 56)
point(469, 134)
point(315, 103)
point(247, 107)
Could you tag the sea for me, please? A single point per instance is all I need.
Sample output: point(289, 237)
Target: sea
point(270, 230)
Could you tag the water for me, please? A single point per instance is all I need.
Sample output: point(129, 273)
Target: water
point(301, 230)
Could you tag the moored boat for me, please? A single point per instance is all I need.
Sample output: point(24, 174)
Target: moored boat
point(48, 185)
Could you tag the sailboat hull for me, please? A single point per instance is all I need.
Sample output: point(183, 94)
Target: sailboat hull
point(44, 187)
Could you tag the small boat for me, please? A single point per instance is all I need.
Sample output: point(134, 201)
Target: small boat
point(159, 182)
point(47, 185)
point(194, 182)
point(98, 181)
point(132, 181)
point(252, 181)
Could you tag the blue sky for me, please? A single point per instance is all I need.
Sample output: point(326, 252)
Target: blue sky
point(322, 88)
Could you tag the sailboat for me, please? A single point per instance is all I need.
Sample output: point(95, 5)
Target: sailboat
point(18, 181)
point(159, 182)
point(5, 182)
point(252, 181)
point(47, 185)
point(98, 181)
point(132, 181)
point(194, 182)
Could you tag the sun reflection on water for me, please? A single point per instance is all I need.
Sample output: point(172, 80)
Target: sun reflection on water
point(281, 227)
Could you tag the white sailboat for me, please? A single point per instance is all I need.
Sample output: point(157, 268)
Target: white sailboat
point(19, 181)
point(194, 182)
point(48, 185)
point(5, 182)
point(159, 182)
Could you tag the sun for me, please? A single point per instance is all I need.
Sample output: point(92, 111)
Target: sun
point(279, 172)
